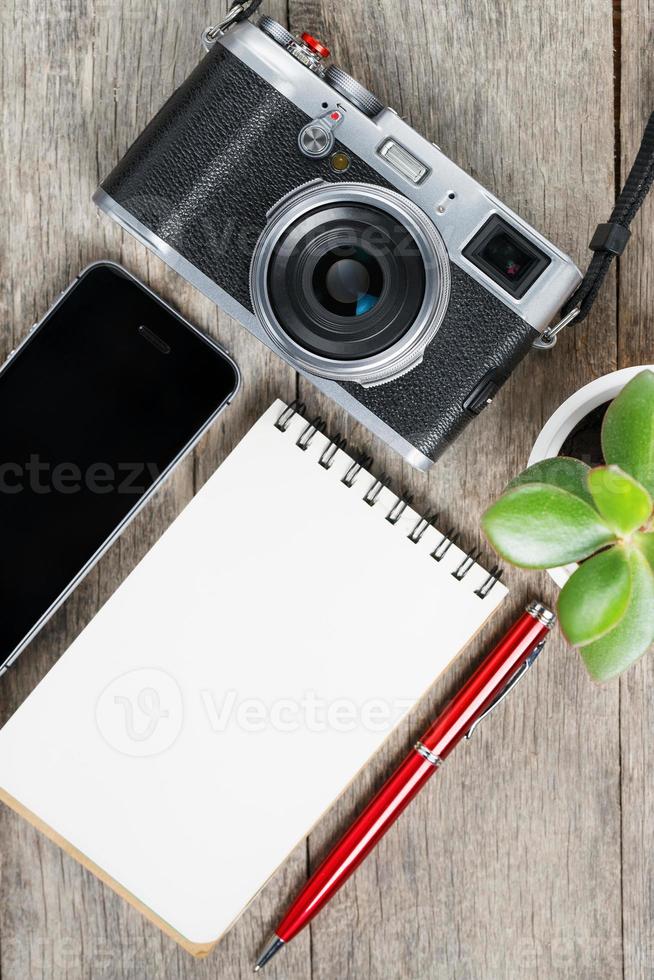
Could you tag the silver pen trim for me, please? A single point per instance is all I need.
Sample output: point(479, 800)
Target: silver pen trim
point(428, 754)
point(541, 613)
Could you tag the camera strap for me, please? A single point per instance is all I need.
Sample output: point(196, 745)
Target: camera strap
point(237, 12)
point(610, 238)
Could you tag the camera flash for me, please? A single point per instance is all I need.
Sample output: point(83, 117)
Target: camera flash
point(339, 161)
point(403, 162)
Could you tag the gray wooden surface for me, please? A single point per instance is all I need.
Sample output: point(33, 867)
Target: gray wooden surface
point(530, 855)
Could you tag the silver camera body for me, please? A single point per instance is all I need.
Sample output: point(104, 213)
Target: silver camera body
point(417, 354)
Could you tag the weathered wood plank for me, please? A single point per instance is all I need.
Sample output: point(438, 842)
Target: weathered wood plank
point(79, 82)
point(497, 870)
point(521, 95)
point(635, 339)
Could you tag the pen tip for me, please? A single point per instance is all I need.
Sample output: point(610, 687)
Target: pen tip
point(274, 945)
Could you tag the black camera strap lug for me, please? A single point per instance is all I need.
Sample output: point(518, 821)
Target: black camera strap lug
point(548, 338)
point(609, 239)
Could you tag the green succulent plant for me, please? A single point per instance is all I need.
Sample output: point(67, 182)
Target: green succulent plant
point(560, 511)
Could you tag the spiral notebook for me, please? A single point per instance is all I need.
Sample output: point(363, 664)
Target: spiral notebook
point(239, 678)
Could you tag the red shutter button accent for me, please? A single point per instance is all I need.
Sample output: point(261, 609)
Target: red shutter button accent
point(315, 45)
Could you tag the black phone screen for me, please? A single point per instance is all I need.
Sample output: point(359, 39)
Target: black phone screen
point(100, 401)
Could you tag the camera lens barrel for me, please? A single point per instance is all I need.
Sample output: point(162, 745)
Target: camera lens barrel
point(350, 281)
point(346, 281)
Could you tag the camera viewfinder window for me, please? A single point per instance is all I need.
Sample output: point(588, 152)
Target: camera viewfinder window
point(506, 256)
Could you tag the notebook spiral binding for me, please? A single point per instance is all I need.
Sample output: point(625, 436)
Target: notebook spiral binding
point(362, 461)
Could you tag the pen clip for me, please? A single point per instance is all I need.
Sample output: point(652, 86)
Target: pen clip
point(511, 683)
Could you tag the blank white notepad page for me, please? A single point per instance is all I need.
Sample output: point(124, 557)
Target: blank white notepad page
point(238, 679)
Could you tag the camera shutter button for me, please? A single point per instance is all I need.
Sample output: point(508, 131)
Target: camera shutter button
point(314, 45)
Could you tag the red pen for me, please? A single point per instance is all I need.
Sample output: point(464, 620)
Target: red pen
point(497, 674)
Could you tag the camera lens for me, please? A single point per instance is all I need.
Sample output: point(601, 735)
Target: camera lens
point(348, 281)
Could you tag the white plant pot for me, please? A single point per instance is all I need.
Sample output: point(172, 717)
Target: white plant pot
point(559, 426)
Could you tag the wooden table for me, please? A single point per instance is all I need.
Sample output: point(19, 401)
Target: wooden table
point(531, 853)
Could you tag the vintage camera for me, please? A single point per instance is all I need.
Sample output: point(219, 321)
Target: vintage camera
point(340, 237)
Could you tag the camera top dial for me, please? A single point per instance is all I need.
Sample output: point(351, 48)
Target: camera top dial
point(353, 91)
point(275, 30)
point(307, 49)
point(350, 281)
point(313, 54)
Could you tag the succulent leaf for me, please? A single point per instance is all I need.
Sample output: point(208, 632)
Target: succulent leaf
point(540, 526)
point(561, 471)
point(628, 430)
point(622, 501)
point(596, 596)
point(620, 647)
point(645, 541)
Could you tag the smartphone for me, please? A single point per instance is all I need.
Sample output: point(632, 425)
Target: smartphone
point(106, 394)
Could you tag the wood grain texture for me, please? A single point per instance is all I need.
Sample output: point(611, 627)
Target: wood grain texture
point(530, 852)
point(636, 346)
point(79, 81)
point(496, 872)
